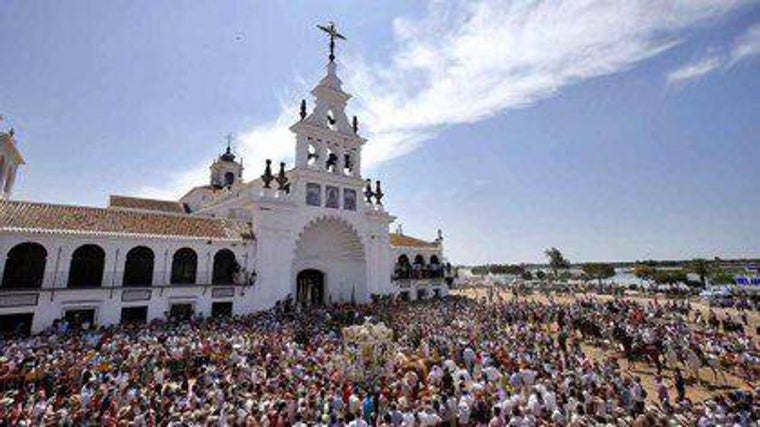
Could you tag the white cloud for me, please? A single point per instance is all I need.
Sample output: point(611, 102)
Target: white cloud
point(465, 61)
point(748, 44)
point(695, 70)
point(745, 46)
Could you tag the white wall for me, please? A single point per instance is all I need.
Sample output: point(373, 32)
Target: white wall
point(56, 298)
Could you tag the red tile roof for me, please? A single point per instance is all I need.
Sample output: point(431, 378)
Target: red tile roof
point(145, 204)
point(46, 217)
point(400, 240)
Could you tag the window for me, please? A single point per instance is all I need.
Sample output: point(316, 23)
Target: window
point(184, 266)
point(313, 194)
point(349, 199)
point(131, 315)
point(332, 197)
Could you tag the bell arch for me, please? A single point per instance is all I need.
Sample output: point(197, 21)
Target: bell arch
point(331, 246)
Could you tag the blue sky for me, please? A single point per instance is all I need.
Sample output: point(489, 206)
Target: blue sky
point(612, 130)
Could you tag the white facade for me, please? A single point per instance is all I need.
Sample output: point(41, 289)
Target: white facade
point(315, 233)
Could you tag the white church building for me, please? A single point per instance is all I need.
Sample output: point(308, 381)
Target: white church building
point(313, 233)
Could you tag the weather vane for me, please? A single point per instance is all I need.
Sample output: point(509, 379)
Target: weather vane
point(334, 34)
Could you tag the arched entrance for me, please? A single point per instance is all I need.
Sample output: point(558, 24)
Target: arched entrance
point(310, 287)
point(329, 262)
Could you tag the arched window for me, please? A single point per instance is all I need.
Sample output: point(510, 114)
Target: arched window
point(86, 269)
point(403, 267)
point(225, 266)
point(419, 260)
point(25, 266)
point(229, 179)
point(138, 268)
point(184, 266)
point(436, 269)
point(403, 261)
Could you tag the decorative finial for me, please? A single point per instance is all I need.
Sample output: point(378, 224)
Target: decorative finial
point(281, 179)
point(303, 109)
point(228, 156)
point(368, 191)
point(267, 177)
point(229, 138)
point(378, 193)
point(356, 124)
point(11, 132)
point(334, 34)
point(440, 234)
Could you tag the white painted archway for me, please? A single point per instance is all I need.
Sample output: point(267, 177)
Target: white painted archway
point(332, 246)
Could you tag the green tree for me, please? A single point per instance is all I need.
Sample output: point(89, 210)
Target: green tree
point(670, 277)
point(702, 268)
point(527, 275)
point(557, 261)
point(598, 271)
point(540, 275)
point(644, 272)
point(722, 278)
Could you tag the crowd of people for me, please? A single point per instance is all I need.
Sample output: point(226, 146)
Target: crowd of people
point(491, 361)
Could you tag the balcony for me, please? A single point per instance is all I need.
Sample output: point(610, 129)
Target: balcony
point(29, 297)
point(417, 272)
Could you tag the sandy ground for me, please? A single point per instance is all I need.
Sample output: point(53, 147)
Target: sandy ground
point(696, 391)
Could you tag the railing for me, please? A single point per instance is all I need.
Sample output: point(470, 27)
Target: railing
point(419, 273)
point(18, 297)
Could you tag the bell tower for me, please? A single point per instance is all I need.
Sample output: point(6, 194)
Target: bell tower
point(326, 140)
point(226, 172)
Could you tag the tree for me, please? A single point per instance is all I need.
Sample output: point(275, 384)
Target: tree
point(540, 275)
point(670, 277)
point(644, 272)
point(598, 271)
point(527, 275)
point(557, 261)
point(722, 278)
point(702, 268)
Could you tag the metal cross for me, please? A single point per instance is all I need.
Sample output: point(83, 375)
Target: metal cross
point(334, 34)
point(229, 138)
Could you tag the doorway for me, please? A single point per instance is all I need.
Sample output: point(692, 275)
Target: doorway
point(15, 325)
point(310, 288)
point(181, 312)
point(221, 309)
point(134, 314)
point(82, 318)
